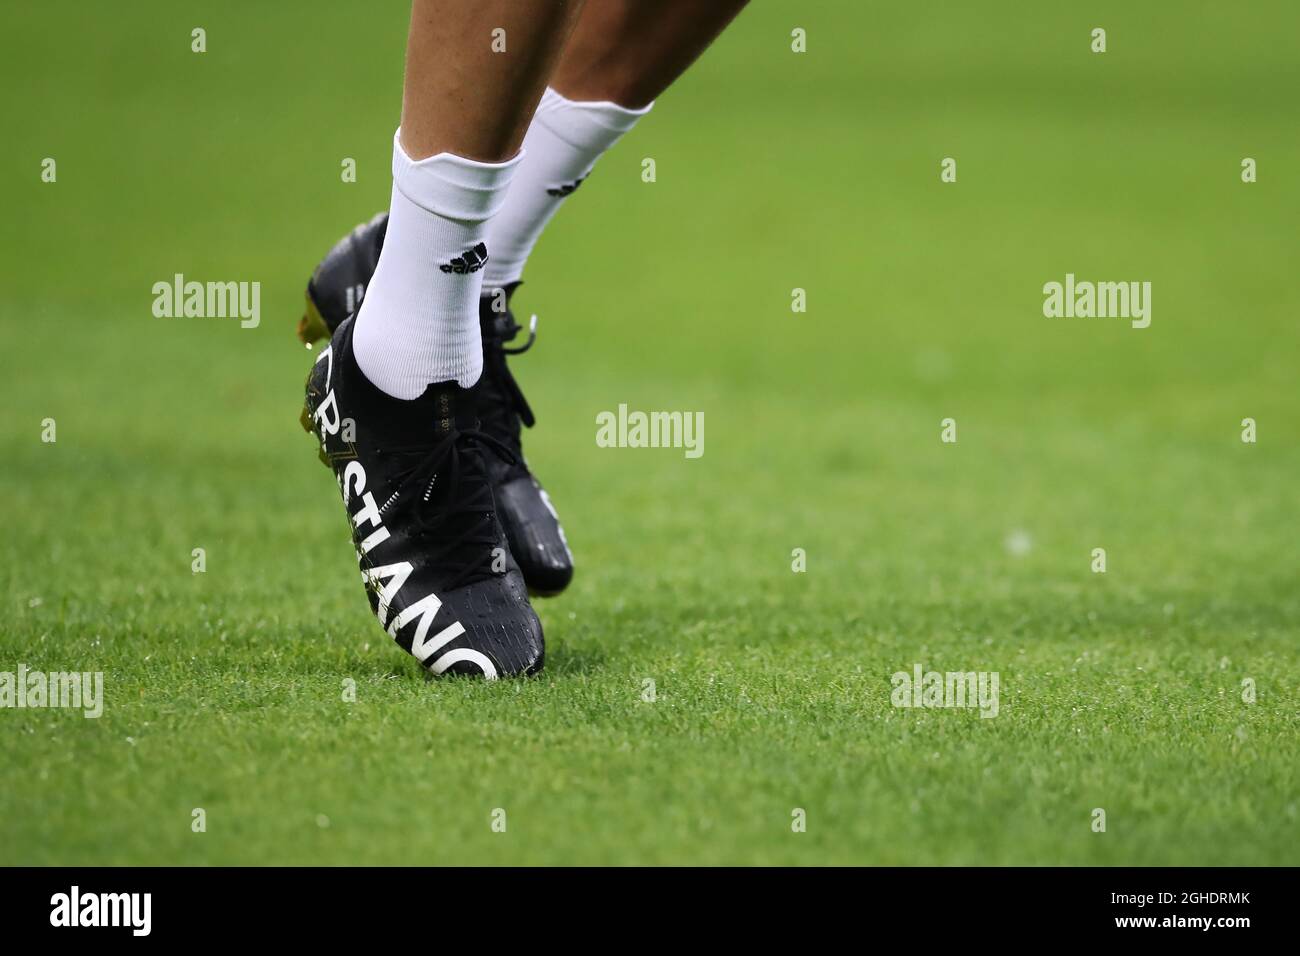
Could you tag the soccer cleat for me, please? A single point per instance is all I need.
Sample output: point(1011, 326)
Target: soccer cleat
point(415, 482)
point(536, 539)
point(338, 285)
point(532, 527)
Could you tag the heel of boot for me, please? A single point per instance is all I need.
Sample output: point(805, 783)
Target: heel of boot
point(311, 327)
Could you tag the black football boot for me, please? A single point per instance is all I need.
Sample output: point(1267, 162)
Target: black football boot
point(338, 285)
point(434, 559)
point(536, 539)
point(532, 527)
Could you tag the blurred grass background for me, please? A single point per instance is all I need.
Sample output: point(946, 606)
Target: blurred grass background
point(775, 170)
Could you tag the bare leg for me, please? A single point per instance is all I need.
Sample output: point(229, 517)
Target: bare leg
point(622, 54)
point(475, 70)
point(629, 51)
point(463, 98)
point(460, 95)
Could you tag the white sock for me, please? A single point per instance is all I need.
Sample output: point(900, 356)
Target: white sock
point(563, 143)
point(418, 323)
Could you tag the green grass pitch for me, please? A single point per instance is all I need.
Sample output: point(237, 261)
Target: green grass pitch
point(776, 170)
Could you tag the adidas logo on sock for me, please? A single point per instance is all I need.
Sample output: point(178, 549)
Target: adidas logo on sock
point(470, 261)
point(567, 188)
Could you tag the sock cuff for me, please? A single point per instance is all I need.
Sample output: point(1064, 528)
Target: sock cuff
point(452, 186)
point(593, 126)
